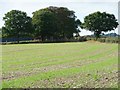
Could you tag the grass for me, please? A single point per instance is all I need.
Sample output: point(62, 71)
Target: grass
point(67, 65)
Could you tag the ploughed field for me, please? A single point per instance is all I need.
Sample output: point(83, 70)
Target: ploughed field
point(60, 65)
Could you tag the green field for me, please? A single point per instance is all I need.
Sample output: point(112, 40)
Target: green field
point(60, 65)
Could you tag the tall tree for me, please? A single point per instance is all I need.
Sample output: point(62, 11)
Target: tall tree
point(44, 23)
point(66, 21)
point(98, 22)
point(58, 22)
point(17, 24)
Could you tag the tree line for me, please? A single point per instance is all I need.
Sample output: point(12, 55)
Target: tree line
point(54, 23)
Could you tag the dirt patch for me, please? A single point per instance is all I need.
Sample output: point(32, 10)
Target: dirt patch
point(17, 74)
point(76, 63)
point(104, 79)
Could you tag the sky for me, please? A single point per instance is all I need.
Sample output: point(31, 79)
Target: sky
point(82, 8)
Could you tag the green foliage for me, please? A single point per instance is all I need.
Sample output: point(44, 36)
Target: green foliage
point(44, 23)
point(17, 24)
point(55, 22)
point(112, 40)
point(66, 21)
point(98, 22)
point(104, 40)
point(101, 40)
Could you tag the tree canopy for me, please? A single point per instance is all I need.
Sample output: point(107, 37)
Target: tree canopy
point(66, 21)
point(55, 23)
point(44, 23)
point(98, 22)
point(58, 22)
point(17, 24)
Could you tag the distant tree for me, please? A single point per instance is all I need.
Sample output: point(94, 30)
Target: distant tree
point(66, 21)
point(56, 22)
point(44, 23)
point(98, 22)
point(17, 24)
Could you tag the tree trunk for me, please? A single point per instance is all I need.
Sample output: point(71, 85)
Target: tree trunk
point(18, 38)
point(42, 38)
point(18, 41)
point(97, 34)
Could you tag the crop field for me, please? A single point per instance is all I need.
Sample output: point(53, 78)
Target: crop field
point(60, 65)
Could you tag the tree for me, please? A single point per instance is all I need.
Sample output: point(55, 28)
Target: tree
point(44, 23)
point(66, 21)
point(56, 22)
point(17, 24)
point(99, 22)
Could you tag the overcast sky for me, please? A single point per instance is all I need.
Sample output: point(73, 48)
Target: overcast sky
point(81, 8)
